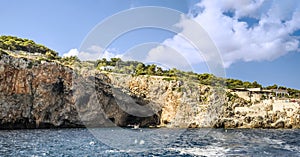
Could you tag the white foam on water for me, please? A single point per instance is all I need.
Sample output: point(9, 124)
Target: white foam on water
point(272, 141)
point(92, 143)
point(292, 148)
point(125, 151)
point(205, 151)
point(142, 142)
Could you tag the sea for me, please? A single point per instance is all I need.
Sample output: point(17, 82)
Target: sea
point(149, 142)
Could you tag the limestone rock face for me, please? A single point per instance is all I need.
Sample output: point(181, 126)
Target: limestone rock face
point(188, 104)
point(36, 94)
point(239, 113)
point(182, 103)
point(44, 95)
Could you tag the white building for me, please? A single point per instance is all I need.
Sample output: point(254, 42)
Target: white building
point(107, 68)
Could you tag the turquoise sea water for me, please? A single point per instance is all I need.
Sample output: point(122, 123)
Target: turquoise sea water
point(168, 142)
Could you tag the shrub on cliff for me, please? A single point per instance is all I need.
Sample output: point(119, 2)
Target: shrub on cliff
point(234, 83)
point(210, 79)
point(69, 60)
point(18, 44)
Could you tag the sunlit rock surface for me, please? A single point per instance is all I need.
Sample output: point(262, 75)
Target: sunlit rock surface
point(41, 94)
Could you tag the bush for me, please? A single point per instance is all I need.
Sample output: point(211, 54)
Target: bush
point(18, 44)
point(69, 60)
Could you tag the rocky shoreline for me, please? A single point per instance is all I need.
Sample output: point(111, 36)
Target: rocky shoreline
point(47, 94)
point(35, 94)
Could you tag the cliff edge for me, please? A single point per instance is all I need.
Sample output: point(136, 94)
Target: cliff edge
point(47, 94)
point(41, 93)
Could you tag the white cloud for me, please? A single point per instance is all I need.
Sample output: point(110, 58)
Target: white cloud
point(169, 57)
point(72, 52)
point(269, 39)
point(93, 53)
point(236, 40)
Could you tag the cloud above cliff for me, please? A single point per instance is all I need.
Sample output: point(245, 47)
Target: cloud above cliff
point(92, 53)
point(248, 30)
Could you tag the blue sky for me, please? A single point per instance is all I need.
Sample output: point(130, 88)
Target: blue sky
point(258, 40)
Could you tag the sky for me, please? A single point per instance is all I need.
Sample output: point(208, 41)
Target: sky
point(257, 40)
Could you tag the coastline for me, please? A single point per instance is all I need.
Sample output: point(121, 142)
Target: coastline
point(47, 94)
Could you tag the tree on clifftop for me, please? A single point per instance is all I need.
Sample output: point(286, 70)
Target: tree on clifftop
point(18, 44)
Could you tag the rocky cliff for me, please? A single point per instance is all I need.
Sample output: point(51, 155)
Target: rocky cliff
point(44, 94)
point(188, 104)
point(41, 94)
point(270, 113)
point(35, 95)
point(182, 103)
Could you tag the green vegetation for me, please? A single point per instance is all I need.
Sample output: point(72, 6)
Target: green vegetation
point(18, 44)
point(133, 67)
point(231, 97)
point(25, 47)
point(293, 93)
point(105, 62)
point(69, 60)
point(137, 68)
point(22, 47)
point(210, 79)
point(233, 83)
point(275, 86)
